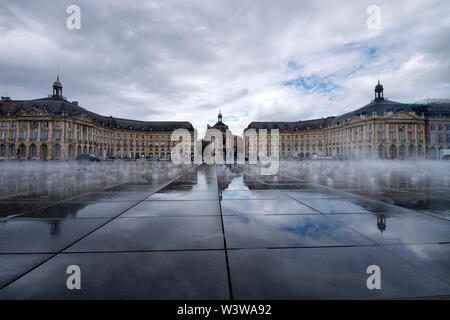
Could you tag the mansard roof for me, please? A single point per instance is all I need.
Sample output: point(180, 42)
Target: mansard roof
point(378, 107)
point(293, 126)
point(58, 106)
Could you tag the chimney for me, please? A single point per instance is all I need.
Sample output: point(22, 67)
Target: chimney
point(4, 99)
point(75, 102)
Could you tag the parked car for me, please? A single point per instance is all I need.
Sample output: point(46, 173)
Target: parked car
point(88, 157)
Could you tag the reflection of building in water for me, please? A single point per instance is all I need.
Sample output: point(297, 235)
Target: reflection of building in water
point(53, 181)
point(381, 223)
point(54, 128)
point(382, 129)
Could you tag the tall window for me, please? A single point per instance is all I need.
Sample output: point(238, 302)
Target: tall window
point(402, 151)
point(34, 134)
point(3, 135)
point(392, 152)
point(57, 150)
point(2, 150)
point(33, 150)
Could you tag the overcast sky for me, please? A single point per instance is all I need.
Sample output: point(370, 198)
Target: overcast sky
point(254, 60)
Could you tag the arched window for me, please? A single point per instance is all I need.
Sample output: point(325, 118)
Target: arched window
point(380, 151)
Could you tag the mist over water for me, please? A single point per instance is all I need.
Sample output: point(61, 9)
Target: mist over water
point(421, 185)
point(372, 175)
point(58, 180)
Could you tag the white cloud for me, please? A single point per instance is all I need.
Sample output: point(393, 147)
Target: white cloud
point(172, 60)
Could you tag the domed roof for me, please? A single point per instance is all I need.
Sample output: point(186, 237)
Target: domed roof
point(220, 126)
point(57, 83)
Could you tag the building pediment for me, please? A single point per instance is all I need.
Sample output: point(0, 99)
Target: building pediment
point(30, 113)
point(402, 116)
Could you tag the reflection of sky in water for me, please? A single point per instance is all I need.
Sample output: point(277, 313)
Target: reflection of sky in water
point(282, 206)
point(402, 228)
point(279, 231)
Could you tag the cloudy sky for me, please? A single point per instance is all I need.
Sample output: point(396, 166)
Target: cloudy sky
point(257, 60)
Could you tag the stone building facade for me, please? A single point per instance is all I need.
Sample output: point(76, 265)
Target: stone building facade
point(383, 129)
point(53, 128)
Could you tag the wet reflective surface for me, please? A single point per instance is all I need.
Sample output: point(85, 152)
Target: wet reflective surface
point(156, 231)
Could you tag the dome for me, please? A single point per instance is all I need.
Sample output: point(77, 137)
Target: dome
point(57, 83)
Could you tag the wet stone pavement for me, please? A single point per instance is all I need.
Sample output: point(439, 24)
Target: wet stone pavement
point(221, 232)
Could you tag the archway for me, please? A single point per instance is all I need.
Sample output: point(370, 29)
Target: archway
point(43, 151)
point(401, 152)
point(392, 152)
point(12, 150)
point(22, 151)
point(411, 152)
point(33, 151)
point(57, 151)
